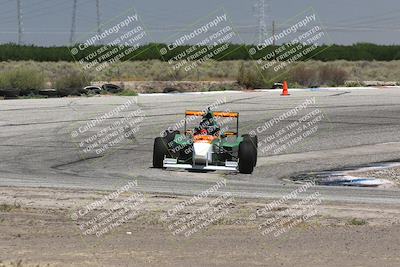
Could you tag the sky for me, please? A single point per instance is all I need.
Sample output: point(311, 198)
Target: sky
point(48, 22)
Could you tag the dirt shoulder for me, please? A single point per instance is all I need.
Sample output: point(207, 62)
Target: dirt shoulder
point(54, 227)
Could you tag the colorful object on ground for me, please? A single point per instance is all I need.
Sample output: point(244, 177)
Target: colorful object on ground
point(285, 91)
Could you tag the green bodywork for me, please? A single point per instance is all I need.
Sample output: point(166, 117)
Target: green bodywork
point(183, 140)
point(224, 148)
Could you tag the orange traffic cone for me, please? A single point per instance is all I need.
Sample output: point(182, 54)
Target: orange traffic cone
point(285, 90)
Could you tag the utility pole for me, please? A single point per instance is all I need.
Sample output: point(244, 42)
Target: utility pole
point(98, 16)
point(71, 38)
point(273, 32)
point(19, 17)
point(260, 15)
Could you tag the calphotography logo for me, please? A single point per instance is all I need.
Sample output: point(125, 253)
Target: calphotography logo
point(199, 212)
point(111, 211)
point(299, 39)
point(110, 130)
point(209, 39)
point(293, 209)
point(287, 130)
point(118, 42)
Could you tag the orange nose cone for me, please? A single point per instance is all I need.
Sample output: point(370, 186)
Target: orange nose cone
point(285, 91)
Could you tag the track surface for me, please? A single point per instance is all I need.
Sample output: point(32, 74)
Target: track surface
point(359, 126)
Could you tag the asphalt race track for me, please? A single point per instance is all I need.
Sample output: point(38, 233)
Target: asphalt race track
point(359, 126)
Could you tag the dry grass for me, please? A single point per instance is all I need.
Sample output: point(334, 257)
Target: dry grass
point(20, 263)
point(357, 222)
point(71, 82)
point(26, 79)
point(222, 70)
point(7, 207)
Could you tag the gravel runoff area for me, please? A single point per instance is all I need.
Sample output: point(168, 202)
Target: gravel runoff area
point(37, 229)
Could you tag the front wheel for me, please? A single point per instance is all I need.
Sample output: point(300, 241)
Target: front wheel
point(159, 152)
point(254, 141)
point(246, 157)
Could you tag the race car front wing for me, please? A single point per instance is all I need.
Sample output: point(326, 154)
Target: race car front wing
point(173, 163)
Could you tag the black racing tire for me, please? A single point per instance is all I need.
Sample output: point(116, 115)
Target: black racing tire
point(246, 157)
point(111, 88)
point(10, 93)
point(160, 150)
point(254, 142)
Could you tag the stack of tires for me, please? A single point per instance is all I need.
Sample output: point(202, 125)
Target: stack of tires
point(10, 93)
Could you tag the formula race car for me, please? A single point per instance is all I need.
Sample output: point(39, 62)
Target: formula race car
point(206, 147)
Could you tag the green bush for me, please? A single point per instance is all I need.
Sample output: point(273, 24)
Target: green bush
point(27, 80)
point(250, 77)
point(354, 84)
point(304, 76)
point(9, 207)
point(356, 221)
point(332, 76)
point(71, 83)
point(5, 81)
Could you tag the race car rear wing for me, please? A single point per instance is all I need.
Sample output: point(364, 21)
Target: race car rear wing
point(216, 114)
point(224, 114)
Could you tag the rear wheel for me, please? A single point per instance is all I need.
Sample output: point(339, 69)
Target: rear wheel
point(254, 141)
point(246, 157)
point(159, 152)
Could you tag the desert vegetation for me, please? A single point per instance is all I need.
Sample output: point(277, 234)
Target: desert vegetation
point(67, 77)
point(155, 70)
point(24, 80)
point(26, 69)
point(71, 82)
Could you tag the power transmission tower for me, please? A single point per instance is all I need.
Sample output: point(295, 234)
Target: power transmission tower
point(98, 16)
point(273, 32)
point(19, 14)
point(71, 38)
point(261, 14)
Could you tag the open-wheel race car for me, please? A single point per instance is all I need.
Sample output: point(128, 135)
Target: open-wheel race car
point(207, 146)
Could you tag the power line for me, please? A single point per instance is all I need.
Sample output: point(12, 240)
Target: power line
point(367, 18)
